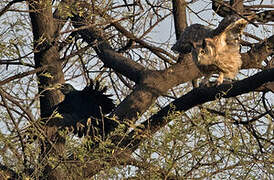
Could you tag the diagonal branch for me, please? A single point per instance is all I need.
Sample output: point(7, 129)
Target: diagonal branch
point(152, 84)
point(196, 97)
point(156, 50)
point(128, 144)
point(6, 8)
point(259, 52)
point(21, 75)
point(110, 58)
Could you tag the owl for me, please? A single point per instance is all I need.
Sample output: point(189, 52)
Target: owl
point(192, 33)
point(216, 50)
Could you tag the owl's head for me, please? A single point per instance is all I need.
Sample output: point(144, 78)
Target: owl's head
point(204, 51)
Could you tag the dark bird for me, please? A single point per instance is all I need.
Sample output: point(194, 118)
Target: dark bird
point(83, 110)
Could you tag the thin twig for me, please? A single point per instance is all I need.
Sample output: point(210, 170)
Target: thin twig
point(3, 96)
point(6, 8)
point(235, 11)
point(21, 75)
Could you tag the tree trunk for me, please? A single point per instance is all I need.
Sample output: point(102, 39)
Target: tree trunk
point(46, 54)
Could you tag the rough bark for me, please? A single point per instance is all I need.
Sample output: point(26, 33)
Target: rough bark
point(149, 84)
point(179, 15)
point(195, 97)
point(46, 54)
point(202, 95)
point(152, 84)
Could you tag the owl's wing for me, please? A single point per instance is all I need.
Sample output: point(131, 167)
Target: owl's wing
point(233, 32)
point(192, 33)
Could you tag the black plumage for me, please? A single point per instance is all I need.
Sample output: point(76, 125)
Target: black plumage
point(84, 110)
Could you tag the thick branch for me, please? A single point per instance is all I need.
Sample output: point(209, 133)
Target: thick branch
point(46, 53)
point(156, 83)
point(179, 14)
point(111, 59)
point(259, 52)
point(196, 97)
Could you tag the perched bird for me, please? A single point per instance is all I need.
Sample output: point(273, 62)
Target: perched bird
point(192, 33)
point(216, 50)
point(83, 110)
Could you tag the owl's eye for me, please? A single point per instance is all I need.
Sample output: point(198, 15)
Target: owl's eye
point(202, 51)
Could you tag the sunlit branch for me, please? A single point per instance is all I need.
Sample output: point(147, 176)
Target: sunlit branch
point(195, 97)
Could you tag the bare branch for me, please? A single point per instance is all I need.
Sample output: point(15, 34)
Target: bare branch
point(111, 59)
point(195, 97)
point(179, 14)
point(21, 75)
point(6, 8)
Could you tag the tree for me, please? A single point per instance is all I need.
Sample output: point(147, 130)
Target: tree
point(162, 126)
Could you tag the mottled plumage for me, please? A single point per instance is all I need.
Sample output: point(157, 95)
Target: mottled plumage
point(222, 51)
point(214, 50)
